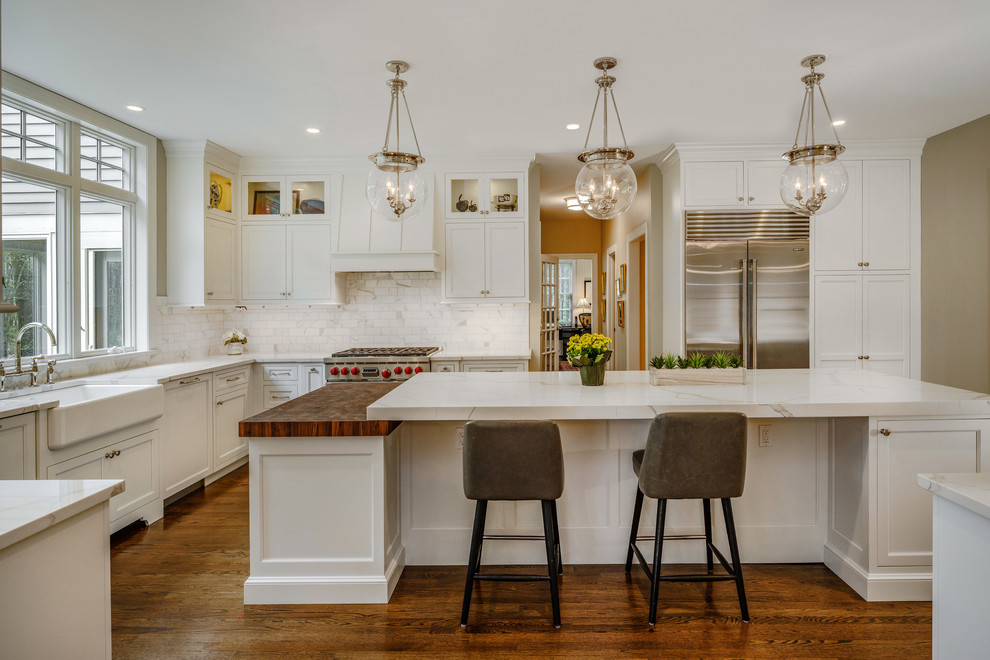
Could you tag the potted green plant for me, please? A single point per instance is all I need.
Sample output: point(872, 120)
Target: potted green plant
point(234, 341)
point(697, 369)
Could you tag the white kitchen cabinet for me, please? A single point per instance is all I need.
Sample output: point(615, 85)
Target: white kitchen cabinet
point(295, 197)
point(202, 216)
point(18, 455)
point(313, 377)
point(221, 261)
point(906, 448)
point(134, 460)
point(229, 409)
point(733, 184)
point(286, 263)
point(871, 228)
point(481, 365)
point(186, 433)
point(484, 195)
point(863, 321)
point(485, 261)
point(368, 242)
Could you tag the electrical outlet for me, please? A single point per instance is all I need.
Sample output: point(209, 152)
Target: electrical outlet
point(765, 435)
point(459, 438)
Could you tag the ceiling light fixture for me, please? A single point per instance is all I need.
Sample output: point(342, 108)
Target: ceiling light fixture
point(134, 108)
point(396, 188)
point(572, 127)
point(839, 122)
point(814, 181)
point(314, 131)
point(606, 185)
point(572, 203)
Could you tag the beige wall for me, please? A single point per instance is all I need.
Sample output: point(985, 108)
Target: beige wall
point(955, 257)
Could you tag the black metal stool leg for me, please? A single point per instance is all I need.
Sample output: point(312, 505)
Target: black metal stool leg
point(558, 556)
point(707, 504)
point(634, 531)
point(474, 556)
point(657, 558)
point(730, 531)
point(551, 564)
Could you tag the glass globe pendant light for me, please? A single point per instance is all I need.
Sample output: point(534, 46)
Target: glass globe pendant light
point(814, 181)
point(606, 185)
point(396, 189)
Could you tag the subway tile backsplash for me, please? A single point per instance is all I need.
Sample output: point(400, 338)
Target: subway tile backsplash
point(386, 309)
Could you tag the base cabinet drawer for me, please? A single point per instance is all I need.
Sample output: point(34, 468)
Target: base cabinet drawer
point(276, 395)
point(493, 365)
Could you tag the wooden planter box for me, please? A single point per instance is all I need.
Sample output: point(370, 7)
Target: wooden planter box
point(697, 376)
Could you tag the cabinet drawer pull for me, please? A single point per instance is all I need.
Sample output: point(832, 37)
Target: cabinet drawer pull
point(112, 453)
point(191, 380)
point(280, 397)
point(884, 432)
point(219, 403)
point(234, 379)
point(281, 373)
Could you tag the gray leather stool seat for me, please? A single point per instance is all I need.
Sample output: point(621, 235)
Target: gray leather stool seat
point(513, 460)
point(691, 456)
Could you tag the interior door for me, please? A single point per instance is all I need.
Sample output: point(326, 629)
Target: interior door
point(549, 331)
point(713, 291)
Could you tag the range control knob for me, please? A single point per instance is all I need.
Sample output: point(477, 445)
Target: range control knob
point(419, 369)
point(386, 373)
point(397, 370)
point(334, 371)
point(409, 370)
point(355, 371)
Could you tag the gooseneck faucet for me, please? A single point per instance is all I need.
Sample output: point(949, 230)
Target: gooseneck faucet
point(20, 333)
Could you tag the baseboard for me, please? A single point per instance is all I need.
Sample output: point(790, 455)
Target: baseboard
point(323, 589)
point(880, 587)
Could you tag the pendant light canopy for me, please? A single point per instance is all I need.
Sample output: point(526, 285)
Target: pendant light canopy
point(606, 185)
point(814, 181)
point(396, 188)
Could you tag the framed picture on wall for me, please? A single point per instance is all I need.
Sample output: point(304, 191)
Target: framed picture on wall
point(266, 202)
point(622, 279)
point(620, 313)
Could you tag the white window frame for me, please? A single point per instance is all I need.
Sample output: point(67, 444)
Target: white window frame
point(141, 201)
point(61, 132)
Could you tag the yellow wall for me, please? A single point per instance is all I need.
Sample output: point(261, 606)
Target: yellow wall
point(569, 232)
point(955, 253)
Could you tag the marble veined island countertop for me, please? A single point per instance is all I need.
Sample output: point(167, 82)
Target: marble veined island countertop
point(628, 395)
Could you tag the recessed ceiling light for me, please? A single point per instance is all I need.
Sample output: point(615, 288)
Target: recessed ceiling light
point(314, 131)
point(135, 108)
point(572, 127)
point(838, 122)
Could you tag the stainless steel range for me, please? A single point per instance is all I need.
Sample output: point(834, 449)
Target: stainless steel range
point(378, 365)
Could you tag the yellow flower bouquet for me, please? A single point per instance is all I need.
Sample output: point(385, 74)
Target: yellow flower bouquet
point(589, 353)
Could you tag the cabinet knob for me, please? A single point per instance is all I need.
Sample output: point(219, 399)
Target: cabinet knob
point(219, 403)
point(752, 199)
point(866, 263)
point(866, 357)
point(884, 432)
point(859, 357)
point(209, 293)
point(740, 199)
point(859, 263)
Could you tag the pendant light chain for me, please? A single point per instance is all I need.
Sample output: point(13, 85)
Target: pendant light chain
point(592, 120)
point(411, 124)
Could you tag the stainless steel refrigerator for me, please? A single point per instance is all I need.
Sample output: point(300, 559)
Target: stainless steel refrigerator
point(747, 287)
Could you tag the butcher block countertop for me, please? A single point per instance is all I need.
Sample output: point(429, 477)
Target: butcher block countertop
point(339, 409)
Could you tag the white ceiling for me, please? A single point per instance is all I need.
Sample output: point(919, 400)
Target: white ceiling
point(503, 77)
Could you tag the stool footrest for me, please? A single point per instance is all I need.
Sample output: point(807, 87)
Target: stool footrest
point(509, 577)
point(675, 537)
point(516, 537)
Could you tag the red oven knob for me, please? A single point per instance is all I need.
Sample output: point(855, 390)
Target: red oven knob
point(419, 369)
point(397, 370)
point(334, 371)
point(409, 370)
point(386, 373)
point(355, 371)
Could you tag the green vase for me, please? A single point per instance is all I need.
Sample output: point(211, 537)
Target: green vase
point(593, 374)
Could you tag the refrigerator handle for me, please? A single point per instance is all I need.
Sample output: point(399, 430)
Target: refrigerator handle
point(752, 315)
point(744, 311)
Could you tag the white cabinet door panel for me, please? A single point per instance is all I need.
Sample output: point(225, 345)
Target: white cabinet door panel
point(137, 465)
point(186, 433)
point(763, 183)
point(839, 233)
point(230, 409)
point(308, 255)
point(717, 184)
point(263, 262)
point(354, 228)
point(17, 447)
point(886, 328)
point(221, 257)
point(838, 321)
point(887, 214)
point(506, 259)
point(464, 274)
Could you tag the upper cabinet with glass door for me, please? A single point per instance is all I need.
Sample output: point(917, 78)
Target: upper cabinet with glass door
point(219, 192)
point(485, 196)
point(298, 197)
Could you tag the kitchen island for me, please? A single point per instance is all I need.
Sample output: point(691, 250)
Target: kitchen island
point(834, 481)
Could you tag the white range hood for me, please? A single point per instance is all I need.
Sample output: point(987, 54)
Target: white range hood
point(367, 242)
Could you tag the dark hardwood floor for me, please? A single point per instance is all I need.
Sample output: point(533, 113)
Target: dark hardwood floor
point(177, 593)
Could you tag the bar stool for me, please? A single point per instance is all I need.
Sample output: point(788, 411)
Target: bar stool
point(691, 456)
point(513, 460)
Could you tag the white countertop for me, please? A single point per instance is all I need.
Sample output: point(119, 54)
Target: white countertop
point(28, 507)
point(628, 395)
point(968, 490)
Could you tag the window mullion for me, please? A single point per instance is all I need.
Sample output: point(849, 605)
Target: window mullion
point(73, 297)
point(35, 172)
point(108, 192)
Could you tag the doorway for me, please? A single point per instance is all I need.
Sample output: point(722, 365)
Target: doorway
point(577, 295)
